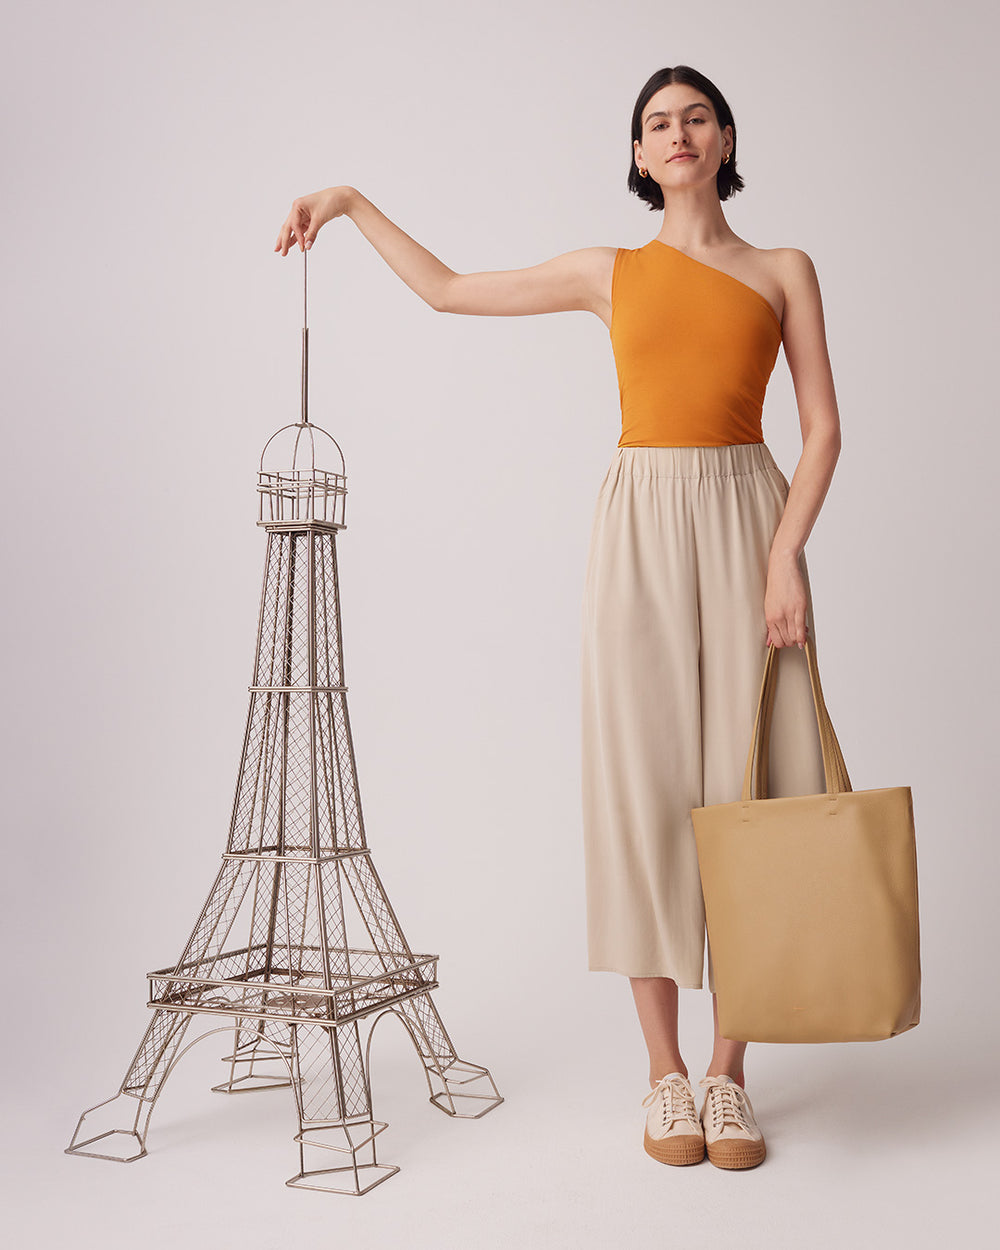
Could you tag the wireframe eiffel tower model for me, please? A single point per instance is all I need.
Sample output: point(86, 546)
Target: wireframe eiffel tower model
point(296, 859)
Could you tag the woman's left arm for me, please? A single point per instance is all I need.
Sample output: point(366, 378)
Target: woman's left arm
point(804, 340)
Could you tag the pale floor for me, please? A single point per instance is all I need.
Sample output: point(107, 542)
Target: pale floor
point(888, 1144)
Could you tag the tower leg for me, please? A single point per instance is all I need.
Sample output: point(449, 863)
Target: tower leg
point(148, 1070)
point(461, 1084)
point(333, 1096)
point(151, 1063)
point(256, 1043)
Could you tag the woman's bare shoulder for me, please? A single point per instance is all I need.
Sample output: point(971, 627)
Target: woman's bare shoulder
point(597, 257)
point(790, 262)
point(796, 274)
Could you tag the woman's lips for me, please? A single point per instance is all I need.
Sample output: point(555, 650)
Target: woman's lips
point(683, 156)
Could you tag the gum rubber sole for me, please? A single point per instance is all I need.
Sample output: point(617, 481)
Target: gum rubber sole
point(679, 1150)
point(736, 1153)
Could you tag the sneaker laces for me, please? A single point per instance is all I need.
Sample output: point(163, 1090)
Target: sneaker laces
point(728, 1101)
point(678, 1099)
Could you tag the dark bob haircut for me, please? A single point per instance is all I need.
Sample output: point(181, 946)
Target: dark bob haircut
point(727, 180)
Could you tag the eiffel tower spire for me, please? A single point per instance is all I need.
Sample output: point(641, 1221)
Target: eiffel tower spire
point(297, 940)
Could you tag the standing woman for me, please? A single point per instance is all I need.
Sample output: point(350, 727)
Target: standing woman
point(695, 563)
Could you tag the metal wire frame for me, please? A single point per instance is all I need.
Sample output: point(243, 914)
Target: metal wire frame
point(297, 849)
point(299, 491)
point(299, 990)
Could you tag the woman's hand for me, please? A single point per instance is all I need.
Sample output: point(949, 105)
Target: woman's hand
point(308, 213)
point(785, 602)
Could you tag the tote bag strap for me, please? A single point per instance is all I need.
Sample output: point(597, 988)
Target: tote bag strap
point(826, 724)
point(834, 768)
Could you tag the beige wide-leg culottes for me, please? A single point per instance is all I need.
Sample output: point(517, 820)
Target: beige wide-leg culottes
point(673, 650)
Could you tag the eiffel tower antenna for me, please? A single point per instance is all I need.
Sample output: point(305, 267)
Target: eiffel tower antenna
point(297, 941)
point(305, 337)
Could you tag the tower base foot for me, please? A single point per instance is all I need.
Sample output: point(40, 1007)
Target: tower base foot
point(259, 1049)
point(350, 1139)
point(469, 1089)
point(252, 1081)
point(122, 1141)
point(381, 1172)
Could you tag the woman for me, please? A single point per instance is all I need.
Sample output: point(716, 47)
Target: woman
point(695, 564)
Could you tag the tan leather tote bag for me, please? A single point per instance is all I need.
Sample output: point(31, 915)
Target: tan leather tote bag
point(811, 900)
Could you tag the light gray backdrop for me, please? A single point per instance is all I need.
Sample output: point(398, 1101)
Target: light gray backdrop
point(151, 342)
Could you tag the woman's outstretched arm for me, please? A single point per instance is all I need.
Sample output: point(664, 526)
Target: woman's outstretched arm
point(575, 280)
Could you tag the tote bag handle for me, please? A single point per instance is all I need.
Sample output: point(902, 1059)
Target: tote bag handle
point(834, 768)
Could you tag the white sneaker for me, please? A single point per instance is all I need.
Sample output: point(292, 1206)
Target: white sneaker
point(673, 1130)
point(732, 1137)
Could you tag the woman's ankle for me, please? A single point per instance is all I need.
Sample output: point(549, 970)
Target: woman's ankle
point(736, 1074)
point(680, 1066)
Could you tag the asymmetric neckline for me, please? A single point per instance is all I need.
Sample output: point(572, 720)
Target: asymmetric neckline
point(746, 286)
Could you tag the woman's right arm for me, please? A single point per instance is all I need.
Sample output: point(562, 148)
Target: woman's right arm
point(575, 280)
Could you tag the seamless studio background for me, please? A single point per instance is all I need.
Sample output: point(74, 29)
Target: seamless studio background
point(151, 340)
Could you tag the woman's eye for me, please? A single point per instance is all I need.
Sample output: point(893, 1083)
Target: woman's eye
point(660, 125)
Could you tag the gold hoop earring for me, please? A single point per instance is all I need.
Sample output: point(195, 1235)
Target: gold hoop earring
point(642, 173)
point(725, 159)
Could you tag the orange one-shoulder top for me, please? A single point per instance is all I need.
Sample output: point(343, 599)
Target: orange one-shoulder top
point(694, 348)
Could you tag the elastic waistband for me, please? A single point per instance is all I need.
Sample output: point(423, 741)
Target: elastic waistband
point(728, 460)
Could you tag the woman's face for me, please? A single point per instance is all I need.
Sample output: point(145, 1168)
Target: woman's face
point(681, 141)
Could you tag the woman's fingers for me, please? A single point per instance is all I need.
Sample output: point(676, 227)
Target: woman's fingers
point(293, 231)
point(298, 230)
point(785, 605)
point(777, 632)
point(301, 225)
point(782, 633)
point(310, 212)
point(284, 239)
point(797, 631)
